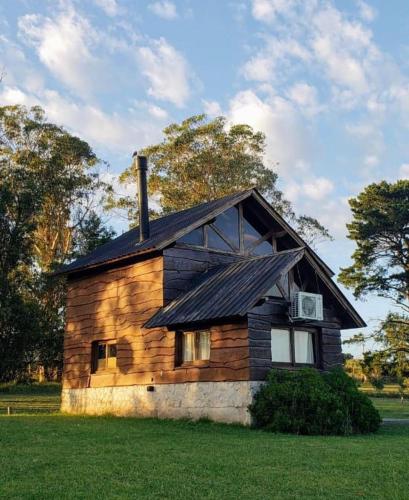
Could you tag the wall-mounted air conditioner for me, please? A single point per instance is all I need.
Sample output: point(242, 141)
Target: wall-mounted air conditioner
point(306, 305)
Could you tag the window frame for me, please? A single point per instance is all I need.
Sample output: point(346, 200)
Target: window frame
point(179, 335)
point(268, 236)
point(94, 356)
point(316, 342)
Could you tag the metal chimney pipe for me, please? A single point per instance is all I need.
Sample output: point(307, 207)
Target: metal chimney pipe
point(141, 171)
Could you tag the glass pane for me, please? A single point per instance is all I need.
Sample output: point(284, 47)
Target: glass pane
point(193, 238)
point(280, 346)
point(264, 248)
point(214, 241)
point(111, 360)
point(101, 356)
point(112, 351)
point(274, 292)
point(204, 345)
point(228, 223)
point(250, 234)
point(304, 347)
point(188, 346)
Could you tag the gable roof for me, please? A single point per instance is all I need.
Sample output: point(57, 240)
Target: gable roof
point(231, 290)
point(227, 290)
point(166, 230)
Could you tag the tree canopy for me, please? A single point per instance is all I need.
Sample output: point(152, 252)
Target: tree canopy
point(200, 160)
point(48, 184)
point(380, 230)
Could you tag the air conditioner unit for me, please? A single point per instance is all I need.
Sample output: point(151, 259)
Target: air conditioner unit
point(306, 305)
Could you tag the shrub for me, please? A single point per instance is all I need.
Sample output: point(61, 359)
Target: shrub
point(308, 402)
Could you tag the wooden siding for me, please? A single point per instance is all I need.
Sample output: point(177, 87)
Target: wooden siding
point(260, 321)
point(114, 305)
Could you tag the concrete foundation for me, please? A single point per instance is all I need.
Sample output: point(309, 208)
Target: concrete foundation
point(218, 401)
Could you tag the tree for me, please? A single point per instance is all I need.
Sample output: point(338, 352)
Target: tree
point(48, 184)
point(201, 160)
point(380, 229)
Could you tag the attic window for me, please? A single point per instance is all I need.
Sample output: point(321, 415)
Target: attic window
point(195, 237)
point(228, 224)
point(265, 248)
point(216, 241)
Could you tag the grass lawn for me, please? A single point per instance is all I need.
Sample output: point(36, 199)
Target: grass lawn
point(58, 456)
point(392, 407)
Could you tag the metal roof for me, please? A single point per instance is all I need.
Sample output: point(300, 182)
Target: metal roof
point(227, 290)
point(162, 232)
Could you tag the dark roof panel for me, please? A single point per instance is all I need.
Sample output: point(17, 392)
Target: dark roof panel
point(227, 290)
point(161, 231)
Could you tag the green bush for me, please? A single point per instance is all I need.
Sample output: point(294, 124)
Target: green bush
point(308, 402)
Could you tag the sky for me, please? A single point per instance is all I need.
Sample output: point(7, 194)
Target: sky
point(326, 81)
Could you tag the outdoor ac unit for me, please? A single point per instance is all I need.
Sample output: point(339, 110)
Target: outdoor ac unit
point(307, 306)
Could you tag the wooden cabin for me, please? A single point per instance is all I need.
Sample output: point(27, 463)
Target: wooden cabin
point(186, 315)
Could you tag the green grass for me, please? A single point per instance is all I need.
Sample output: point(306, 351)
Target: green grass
point(65, 457)
point(392, 408)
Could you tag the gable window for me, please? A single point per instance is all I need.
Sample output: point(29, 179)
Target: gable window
point(215, 241)
point(293, 346)
point(239, 229)
point(192, 347)
point(228, 224)
point(103, 354)
point(195, 237)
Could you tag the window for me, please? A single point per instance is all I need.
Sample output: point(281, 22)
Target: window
point(215, 241)
point(103, 356)
point(192, 347)
point(292, 346)
point(265, 248)
point(228, 224)
point(195, 237)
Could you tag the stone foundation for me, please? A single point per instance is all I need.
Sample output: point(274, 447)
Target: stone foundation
point(218, 401)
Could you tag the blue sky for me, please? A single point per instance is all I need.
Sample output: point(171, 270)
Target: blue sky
point(327, 81)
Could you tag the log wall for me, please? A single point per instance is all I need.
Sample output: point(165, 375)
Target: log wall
point(115, 304)
point(263, 317)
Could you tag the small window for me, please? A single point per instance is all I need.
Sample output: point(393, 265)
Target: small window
point(293, 347)
point(195, 237)
point(265, 248)
point(215, 241)
point(192, 347)
point(103, 356)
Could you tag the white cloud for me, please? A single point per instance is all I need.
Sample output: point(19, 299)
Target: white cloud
point(338, 48)
point(164, 9)
point(404, 171)
point(157, 111)
point(275, 116)
point(63, 46)
point(110, 7)
point(315, 188)
point(274, 58)
point(166, 70)
point(366, 11)
point(110, 131)
point(267, 10)
point(305, 97)
point(212, 108)
point(371, 161)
